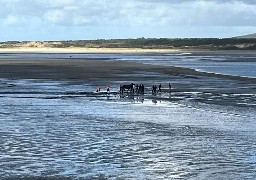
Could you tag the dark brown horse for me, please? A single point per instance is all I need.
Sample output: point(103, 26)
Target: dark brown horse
point(128, 87)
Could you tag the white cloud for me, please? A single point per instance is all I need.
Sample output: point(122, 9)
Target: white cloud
point(55, 3)
point(134, 17)
point(200, 13)
point(133, 12)
point(54, 16)
point(9, 20)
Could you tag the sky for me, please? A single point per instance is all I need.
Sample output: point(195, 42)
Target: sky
point(111, 19)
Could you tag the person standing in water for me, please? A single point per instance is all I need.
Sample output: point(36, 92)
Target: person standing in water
point(108, 89)
point(160, 88)
point(170, 87)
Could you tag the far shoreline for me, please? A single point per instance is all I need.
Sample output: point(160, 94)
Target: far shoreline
point(82, 50)
point(39, 50)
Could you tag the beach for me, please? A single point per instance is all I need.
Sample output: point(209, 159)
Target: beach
point(83, 50)
point(55, 124)
point(108, 71)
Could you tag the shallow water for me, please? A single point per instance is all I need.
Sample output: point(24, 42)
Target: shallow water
point(231, 64)
point(50, 129)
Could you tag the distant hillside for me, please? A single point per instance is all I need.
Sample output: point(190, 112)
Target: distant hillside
point(144, 43)
point(247, 36)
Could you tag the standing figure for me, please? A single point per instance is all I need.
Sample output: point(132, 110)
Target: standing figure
point(108, 89)
point(153, 88)
point(98, 89)
point(142, 89)
point(160, 88)
point(133, 88)
point(170, 87)
point(121, 89)
point(137, 88)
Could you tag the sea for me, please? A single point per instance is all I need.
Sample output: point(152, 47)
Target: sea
point(64, 130)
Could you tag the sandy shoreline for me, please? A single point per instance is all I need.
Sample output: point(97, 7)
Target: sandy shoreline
point(38, 50)
point(85, 50)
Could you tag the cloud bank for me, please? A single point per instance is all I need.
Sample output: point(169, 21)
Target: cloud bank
point(137, 12)
point(169, 14)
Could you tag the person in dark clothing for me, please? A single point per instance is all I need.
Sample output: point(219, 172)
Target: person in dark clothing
point(139, 91)
point(160, 88)
point(154, 87)
point(121, 89)
point(142, 89)
point(170, 87)
point(108, 89)
point(137, 88)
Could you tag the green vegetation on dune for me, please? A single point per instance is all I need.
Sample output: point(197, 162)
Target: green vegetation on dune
point(161, 43)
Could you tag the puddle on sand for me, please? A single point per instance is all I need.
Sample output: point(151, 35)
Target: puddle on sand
point(108, 137)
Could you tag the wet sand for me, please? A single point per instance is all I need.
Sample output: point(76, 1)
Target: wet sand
point(55, 126)
point(103, 72)
point(72, 69)
point(84, 69)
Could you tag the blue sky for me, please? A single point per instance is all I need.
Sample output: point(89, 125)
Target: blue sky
point(106, 19)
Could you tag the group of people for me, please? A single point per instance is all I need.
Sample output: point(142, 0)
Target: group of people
point(159, 90)
point(155, 90)
point(98, 89)
point(137, 88)
point(140, 88)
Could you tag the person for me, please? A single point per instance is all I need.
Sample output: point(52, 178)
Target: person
point(142, 89)
point(136, 88)
point(108, 89)
point(121, 89)
point(154, 88)
point(160, 88)
point(133, 88)
point(170, 87)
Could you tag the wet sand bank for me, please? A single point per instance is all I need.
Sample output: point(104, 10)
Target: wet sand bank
point(102, 72)
point(84, 69)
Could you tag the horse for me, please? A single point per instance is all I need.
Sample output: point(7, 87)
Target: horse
point(128, 87)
